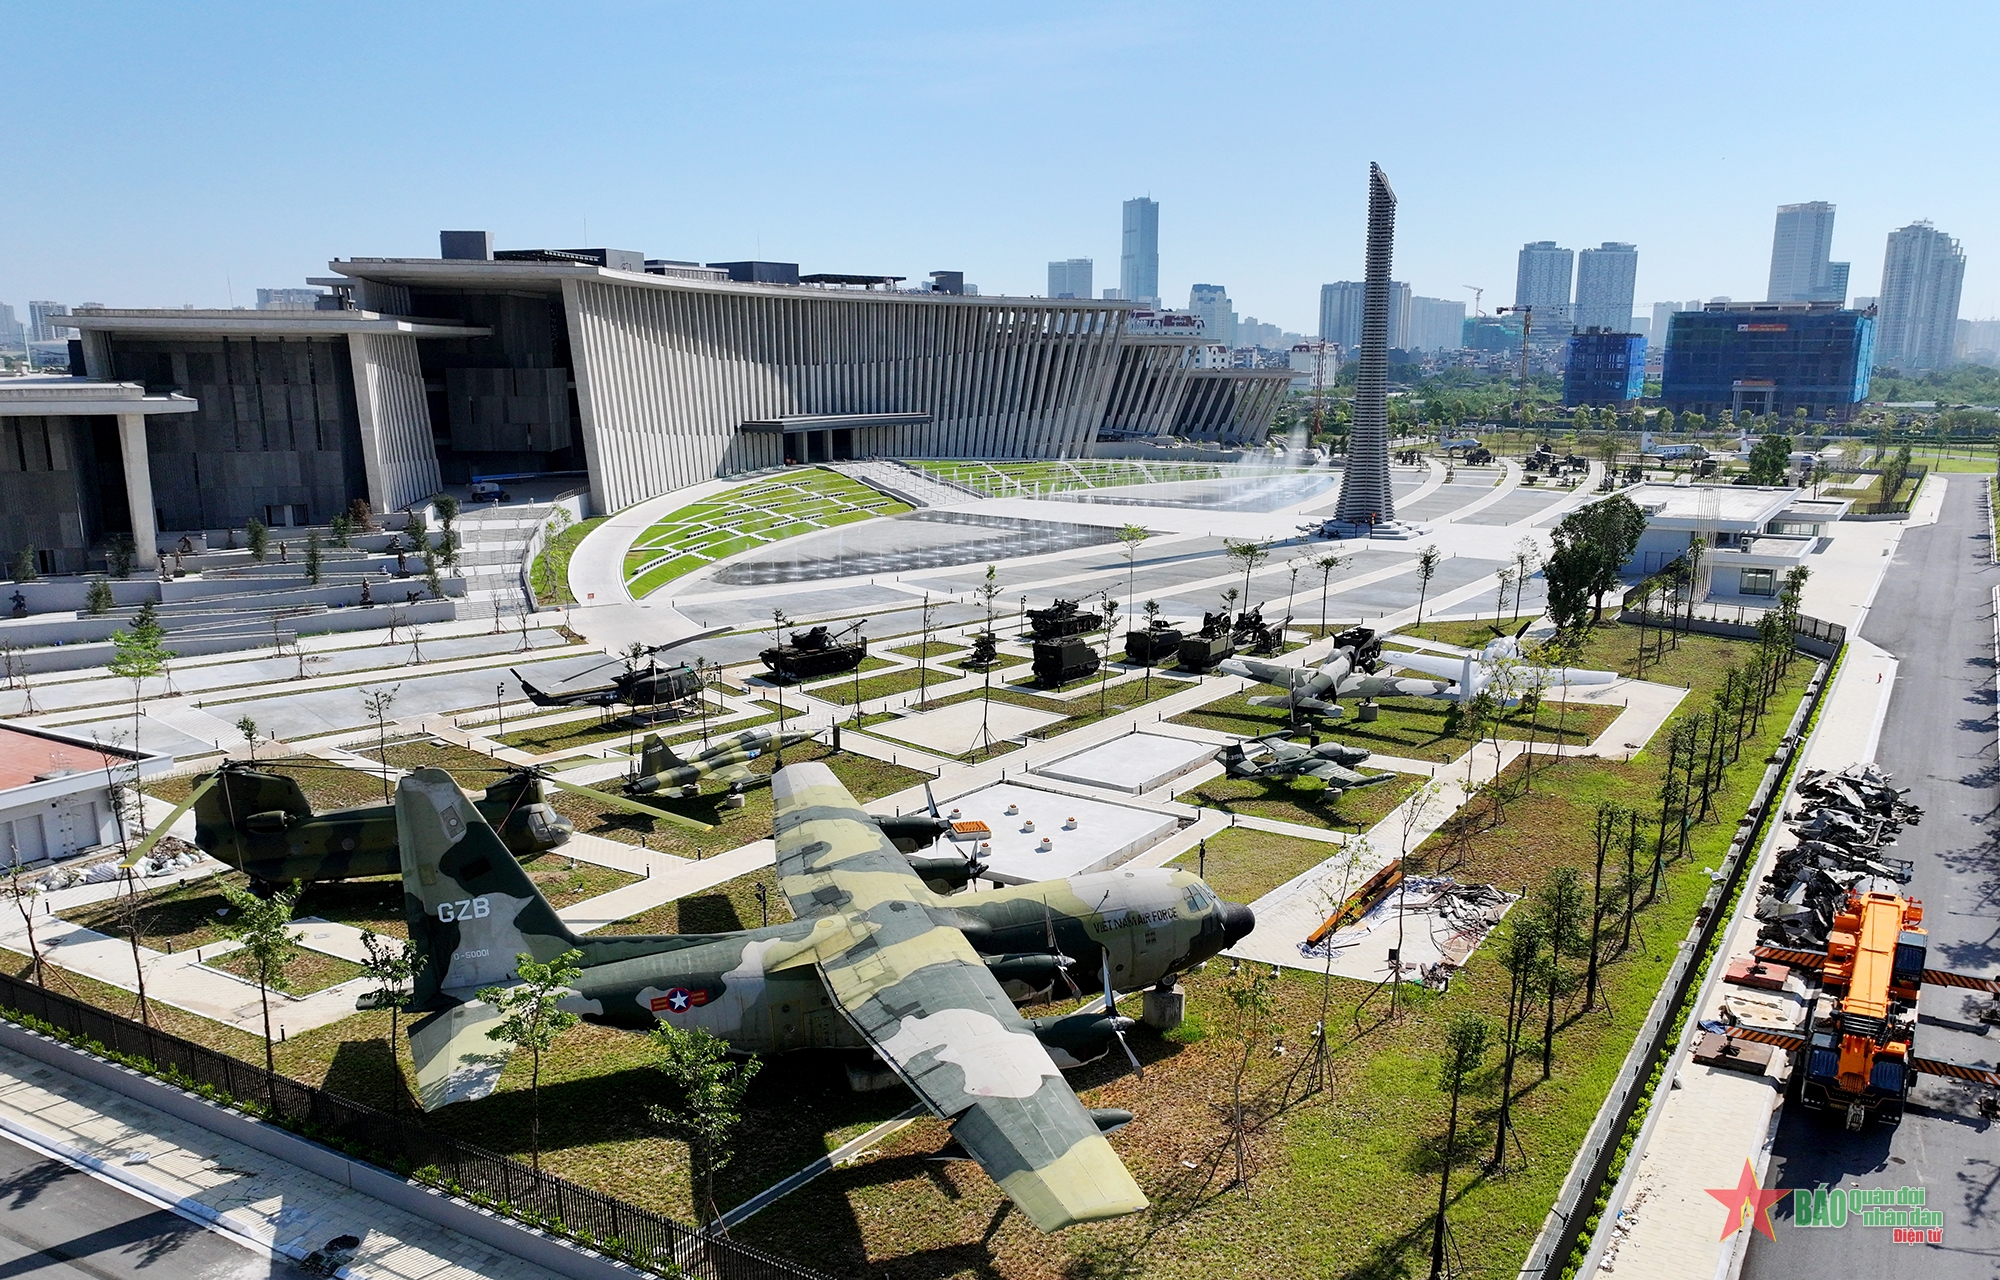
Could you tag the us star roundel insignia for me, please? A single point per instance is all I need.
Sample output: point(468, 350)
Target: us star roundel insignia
point(679, 1000)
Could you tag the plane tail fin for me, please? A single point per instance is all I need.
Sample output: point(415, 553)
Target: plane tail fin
point(655, 756)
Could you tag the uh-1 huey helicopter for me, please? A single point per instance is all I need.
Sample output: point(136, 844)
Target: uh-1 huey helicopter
point(260, 822)
point(642, 684)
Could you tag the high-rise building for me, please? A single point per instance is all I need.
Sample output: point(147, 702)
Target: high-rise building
point(1663, 318)
point(41, 313)
point(1541, 281)
point(1114, 295)
point(13, 337)
point(288, 299)
point(1341, 307)
point(1800, 246)
point(1218, 319)
point(1434, 324)
point(1070, 278)
point(1604, 367)
point(1139, 263)
point(1605, 277)
point(1923, 273)
point(1769, 358)
point(1366, 494)
point(1979, 341)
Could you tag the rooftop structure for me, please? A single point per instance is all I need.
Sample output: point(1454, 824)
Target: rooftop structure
point(1752, 534)
point(55, 793)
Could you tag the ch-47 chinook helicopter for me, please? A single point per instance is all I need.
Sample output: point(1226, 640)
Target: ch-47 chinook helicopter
point(873, 960)
point(261, 823)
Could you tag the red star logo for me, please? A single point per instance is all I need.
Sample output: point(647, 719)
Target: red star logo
point(1748, 1204)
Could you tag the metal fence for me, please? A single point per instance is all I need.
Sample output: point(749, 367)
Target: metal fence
point(399, 1143)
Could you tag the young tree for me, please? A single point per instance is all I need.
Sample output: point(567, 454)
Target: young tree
point(1326, 564)
point(779, 621)
point(375, 703)
point(24, 902)
point(1527, 559)
point(129, 914)
point(391, 967)
point(1592, 544)
point(1604, 834)
point(447, 509)
point(97, 597)
point(341, 529)
point(1252, 1008)
point(1464, 1050)
point(929, 616)
point(1770, 459)
point(1428, 560)
point(989, 591)
point(1560, 910)
point(1104, 665)
point(531, 1019)
point(24, 564)
point(141, 654)
point(1131, 536)
point(1521, 956)
point(1504, 575)
point(264, 927)
point(248, 728)
point(257, 538)
point(1249, 554)
point(314, 558)
point(709, 1090)
point(1426, 800)
point(418, 530)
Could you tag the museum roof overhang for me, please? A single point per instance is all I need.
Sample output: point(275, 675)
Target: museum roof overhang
point(837, 421)
point(57, 397)
point(263, 324)
point(476, 274)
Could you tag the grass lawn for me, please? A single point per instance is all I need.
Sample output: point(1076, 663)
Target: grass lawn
point(748, 516)
point(551, 567)
point(307, 971)
point(327, 786)
point(864, 777)
point(1307, 804)
point(883, 686)
point(1243, 865)
point(1408, 727)
point(730, 905)
point(935, 649)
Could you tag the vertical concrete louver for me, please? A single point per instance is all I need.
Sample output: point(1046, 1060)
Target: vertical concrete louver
point(397, 452)
point(667, 378)
point(1365, 491)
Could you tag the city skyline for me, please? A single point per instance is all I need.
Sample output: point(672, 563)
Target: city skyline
point(835, 98)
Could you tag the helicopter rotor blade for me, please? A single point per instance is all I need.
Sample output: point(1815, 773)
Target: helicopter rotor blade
point(675, 644)
point(145, 846)
point(630, 806)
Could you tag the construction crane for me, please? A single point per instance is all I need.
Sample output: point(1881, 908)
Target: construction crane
point(1477, 294)
point(1857, 1058)
point(1527, 314)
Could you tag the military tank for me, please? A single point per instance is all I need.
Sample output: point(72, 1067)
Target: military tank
point(1200, 652)
point(1062, 619)
point(1057, 662)
point(815, 653)
point(1157, 643)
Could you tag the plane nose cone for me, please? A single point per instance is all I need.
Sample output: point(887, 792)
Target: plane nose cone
point(1237, 922)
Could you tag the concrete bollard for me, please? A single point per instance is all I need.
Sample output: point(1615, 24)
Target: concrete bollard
point(1164, 1010)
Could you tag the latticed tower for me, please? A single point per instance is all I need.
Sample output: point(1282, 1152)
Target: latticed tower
point(1366, 495)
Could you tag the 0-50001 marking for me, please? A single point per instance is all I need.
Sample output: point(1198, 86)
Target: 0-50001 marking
point(464, 909)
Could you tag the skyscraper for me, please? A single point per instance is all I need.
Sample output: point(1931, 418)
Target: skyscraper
point(1139, 263)
point(1218, 315)
point(1341, 308)
point(1541, 281)
point(1433, 324)
point(1605, 277)
point(1070, 278)
point(12, 336)
point(41, 313)
point(1366, 495)
point(1922, 275)
point(1800, 245)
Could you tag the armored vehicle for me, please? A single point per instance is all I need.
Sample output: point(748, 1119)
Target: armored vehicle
point(1201, 652)
point(1061, 619)
point(815, 653)
point(1057, 662)
point(1157, 643)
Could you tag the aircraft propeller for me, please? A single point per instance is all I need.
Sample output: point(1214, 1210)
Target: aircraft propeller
point(1111, 1008)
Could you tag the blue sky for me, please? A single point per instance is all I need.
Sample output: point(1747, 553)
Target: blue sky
point(162, 154)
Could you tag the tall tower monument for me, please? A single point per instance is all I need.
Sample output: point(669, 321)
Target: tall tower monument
point(1366, 496)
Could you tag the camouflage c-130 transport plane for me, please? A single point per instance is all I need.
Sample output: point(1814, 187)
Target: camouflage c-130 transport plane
point(874, 959)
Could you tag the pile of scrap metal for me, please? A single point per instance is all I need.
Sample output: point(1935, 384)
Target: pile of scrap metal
point(1845, 828)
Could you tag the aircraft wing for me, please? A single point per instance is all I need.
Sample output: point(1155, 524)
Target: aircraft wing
point(926, 1002)
point(1339, 775)
point(1556, 677)
point(1444, 666)
point(1277, 673)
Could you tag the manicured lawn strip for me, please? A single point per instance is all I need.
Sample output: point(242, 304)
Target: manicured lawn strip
point(1408, 727)
point(326, 786)
point(307, 971)
point(1243, 864)
point(936, 649)
point(730, 905)
point(872, 687)
point(588, 731)
point(1295, 800)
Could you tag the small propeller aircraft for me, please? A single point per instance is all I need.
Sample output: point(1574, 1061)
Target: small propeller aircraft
point(261, 823)
point(873, 960)
point(1314, 690)
point(1275, 758)
point(1500, 666)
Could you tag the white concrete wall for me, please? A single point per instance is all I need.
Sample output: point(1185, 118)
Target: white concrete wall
point(666, 378)
point(396, 447)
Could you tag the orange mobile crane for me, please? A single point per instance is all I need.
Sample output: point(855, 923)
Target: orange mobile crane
point(1859, 1048)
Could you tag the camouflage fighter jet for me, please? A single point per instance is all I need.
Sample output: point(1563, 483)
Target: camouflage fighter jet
point(1314, 690)
point(873, 960)
point(261, 823)
point(724, 760)
point(1275, 758)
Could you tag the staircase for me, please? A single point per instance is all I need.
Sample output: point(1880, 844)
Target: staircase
point(908, 484)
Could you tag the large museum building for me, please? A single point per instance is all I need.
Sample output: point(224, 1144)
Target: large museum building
point(643, 375)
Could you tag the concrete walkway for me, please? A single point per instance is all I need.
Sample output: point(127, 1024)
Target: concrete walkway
point(255, 1198)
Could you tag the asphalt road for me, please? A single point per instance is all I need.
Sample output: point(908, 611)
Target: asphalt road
point(1934, 613)
point(57, 1223)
